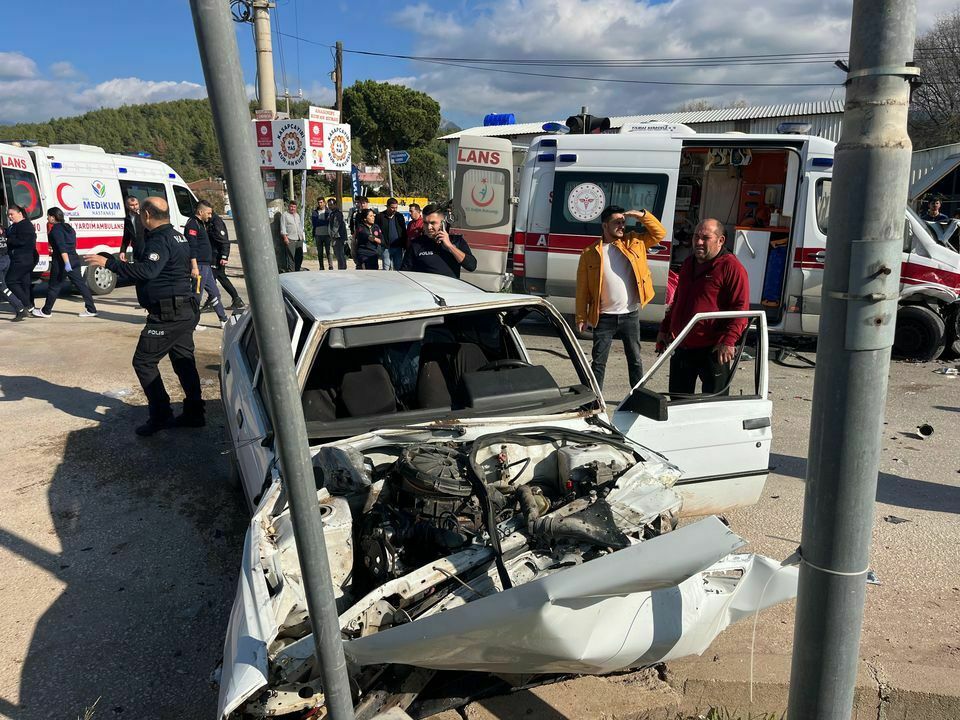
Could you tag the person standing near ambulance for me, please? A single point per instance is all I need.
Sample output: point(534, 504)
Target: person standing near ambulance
point(220, 246)
point(22, 250)
point(613, 283)
point(18, 307)
point(65, 265)
point(711, 279)
point(165, 288)
point(201, 254)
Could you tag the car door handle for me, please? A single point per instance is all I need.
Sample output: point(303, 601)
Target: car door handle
point(820, 256)
point(756, 423)
point(240, 419)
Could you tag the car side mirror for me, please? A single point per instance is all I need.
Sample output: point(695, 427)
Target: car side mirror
point(648, 403)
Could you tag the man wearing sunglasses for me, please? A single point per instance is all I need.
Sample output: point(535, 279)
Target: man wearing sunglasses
point(613, 283)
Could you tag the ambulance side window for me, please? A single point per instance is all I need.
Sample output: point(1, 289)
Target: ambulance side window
point(185, 201)
point(21, 189)
point(823, 204)
point(141, 190)
point(583, 196)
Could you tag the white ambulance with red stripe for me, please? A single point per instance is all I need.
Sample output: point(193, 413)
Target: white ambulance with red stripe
point(771, 191)
point(91, 187)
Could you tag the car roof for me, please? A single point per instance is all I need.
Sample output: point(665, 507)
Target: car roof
point(343, 295)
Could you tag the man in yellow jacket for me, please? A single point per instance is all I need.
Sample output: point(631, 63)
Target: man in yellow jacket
point(613, 283)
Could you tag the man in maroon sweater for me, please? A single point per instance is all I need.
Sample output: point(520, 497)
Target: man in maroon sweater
point(711, 279)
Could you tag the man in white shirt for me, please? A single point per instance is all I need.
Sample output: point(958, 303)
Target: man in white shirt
point(613, 283)
point(293, 236)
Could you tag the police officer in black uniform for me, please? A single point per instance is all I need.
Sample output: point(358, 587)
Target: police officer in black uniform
point(163, 280)
point(220, 244)
point(195, 230)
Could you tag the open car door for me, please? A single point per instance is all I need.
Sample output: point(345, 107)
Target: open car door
point(721, 442)
point(483, 206)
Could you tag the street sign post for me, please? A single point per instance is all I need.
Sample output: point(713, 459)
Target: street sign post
point(399, 157)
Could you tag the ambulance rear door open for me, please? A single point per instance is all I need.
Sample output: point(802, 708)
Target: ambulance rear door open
point(483, 206)
point(20, 187)
point(753, 188)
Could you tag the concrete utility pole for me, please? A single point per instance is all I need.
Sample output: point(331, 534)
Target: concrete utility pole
point(224, 77)
point(266, 85)
point(860, 291)
point(338, 80)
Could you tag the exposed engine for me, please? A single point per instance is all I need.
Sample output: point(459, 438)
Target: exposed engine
point(438, 498)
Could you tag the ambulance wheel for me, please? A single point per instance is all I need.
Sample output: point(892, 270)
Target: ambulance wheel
point(952, 350)
point(100, 280)
point(919, 333)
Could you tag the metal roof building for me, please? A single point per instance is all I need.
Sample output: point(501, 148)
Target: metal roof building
point(825, 117)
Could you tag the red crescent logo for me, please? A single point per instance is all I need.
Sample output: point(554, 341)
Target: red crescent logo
point(482, 204)
point(33, 196)
point(63, 203)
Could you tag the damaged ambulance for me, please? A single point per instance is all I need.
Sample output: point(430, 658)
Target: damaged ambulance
point(488, 525)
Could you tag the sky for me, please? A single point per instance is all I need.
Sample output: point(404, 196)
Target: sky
point(108, 53)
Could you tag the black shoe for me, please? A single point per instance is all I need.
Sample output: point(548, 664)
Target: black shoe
point(153, 425)
point(21, 315)
point(189, 421)
point(206, 307)
point(238, 304)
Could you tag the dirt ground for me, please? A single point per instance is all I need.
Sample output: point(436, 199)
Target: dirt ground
point(120, 554)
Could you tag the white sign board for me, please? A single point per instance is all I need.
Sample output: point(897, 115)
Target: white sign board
point(302, 145)
point(324, 115)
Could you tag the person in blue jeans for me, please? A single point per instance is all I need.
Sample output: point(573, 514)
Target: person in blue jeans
point(394, 230)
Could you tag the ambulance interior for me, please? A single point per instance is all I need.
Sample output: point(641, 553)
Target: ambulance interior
point(752, 191)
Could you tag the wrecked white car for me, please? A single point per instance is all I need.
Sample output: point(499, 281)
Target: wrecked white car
point(487, 526)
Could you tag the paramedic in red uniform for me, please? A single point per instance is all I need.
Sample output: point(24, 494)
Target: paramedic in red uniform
point(613, 283)
point(711, 279)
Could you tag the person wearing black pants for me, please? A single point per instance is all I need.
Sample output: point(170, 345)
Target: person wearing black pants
point(22, 250)
point(220, 245)
point(4, 290)
point(65, 266)
point(164, 289)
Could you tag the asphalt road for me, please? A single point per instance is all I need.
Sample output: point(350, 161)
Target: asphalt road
point(120, 554)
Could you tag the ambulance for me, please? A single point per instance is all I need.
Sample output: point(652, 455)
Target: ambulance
point(543, 204)
point(90, 186)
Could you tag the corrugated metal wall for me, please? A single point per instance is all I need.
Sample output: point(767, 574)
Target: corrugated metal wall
point(825, 126)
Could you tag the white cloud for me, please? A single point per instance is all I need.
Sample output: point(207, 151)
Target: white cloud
point(320, 94)
point(133, 91)
point(616, 30)
point(14, 65)
point(63, 70)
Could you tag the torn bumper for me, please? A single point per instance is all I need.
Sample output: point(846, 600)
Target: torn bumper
point(665, 598)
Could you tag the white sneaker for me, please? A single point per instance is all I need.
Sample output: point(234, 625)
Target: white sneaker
point(223, 324)
point(87, 313)
point(200, 328)
point(37, 312)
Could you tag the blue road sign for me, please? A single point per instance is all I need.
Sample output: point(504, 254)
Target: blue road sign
point(399, 157)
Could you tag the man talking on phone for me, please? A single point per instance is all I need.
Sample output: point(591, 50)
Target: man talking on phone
point(437, 251)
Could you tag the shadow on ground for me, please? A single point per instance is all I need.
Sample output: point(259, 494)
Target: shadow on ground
point(150, 535)
point(891, 489)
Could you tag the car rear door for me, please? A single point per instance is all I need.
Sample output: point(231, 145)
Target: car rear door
point(721, 443)
point(483, 206)
point(247, 404)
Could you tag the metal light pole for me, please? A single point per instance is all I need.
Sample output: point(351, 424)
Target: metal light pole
point(224, 76)
point(266, 85)
point(860, 293)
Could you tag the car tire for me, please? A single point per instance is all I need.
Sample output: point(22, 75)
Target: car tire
point(920, 334)
point(952, 334)
point(100, 280)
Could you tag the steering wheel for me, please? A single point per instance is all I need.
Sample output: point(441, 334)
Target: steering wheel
point(505, 363)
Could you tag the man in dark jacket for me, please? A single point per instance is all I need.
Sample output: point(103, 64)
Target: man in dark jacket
point(64, 265)
point(436, 251)
point(201, 253)
point(164, 287)
point(394, 229)
point(132, 230)
point(338, 232)
point(220, 247)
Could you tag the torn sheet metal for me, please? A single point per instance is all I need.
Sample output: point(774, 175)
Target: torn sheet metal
point(665, 598)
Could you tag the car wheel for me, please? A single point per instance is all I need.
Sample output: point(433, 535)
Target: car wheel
point(952, 339)
point(919, 333)
point(100, 280)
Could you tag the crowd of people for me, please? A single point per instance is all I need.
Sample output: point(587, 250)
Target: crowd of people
point(378, 240)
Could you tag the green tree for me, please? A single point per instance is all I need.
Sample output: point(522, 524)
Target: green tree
point(382, 115)
point(935, 105)
point(423, 176)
